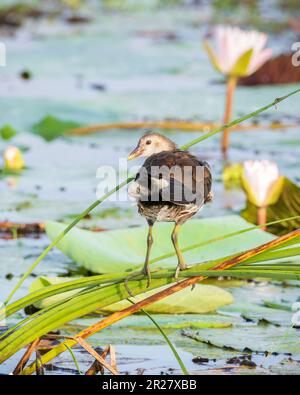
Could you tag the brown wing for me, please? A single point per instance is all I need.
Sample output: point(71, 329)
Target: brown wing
point(175, 176)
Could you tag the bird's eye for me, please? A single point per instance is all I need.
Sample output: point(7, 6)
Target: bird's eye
point(148, 142)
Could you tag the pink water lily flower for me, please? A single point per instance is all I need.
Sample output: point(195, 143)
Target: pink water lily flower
point(238, 52)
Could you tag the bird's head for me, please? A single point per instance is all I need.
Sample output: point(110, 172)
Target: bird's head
point(151, 143)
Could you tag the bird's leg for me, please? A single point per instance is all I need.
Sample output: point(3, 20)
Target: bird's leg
point(181, 263)
point(146, 268)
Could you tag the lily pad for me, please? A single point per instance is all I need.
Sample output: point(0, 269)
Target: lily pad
point(250, 303)
point(51, 127)
point(7, 132)
point(256, 339)
point(257, 313)
point(122, 249)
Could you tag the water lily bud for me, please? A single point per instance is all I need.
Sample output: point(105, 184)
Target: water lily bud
point(13, 159)
point(262, 182)
point(238, 53)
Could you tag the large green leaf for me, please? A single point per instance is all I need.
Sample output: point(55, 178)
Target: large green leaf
point(202, 299)
point(122, 249)
point(51, 127)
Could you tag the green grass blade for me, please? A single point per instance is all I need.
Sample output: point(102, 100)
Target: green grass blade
point(170, 344)
point(74, 359)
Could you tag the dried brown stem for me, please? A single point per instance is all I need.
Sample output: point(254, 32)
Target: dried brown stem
point(96, 366)
point(113, 359)
point(39, 367)
point(167, 125)
point(26, 356)
point(35, 227)
point(90, 350)
point(7, 228)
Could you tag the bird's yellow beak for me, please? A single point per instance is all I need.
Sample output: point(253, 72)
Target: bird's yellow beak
point(135, 153)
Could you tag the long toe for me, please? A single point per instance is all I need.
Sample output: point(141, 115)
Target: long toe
point(148, 274)
point(180, 267)
point(177, 271)
point(127, 286)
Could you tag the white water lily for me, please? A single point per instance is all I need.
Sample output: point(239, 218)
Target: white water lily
point(262, 182)
point(238, 53)
point(13, 159)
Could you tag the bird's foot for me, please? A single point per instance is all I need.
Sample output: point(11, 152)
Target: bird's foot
point(128, 278)
point(145, 272)
point(181, 266)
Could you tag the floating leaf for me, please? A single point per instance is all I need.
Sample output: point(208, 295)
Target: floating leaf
point(51, 127)
point(279, 340)
point(257, 313)
point(7, 132)
point(118, 250)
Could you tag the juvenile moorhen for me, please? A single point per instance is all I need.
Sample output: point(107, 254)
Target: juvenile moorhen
point(171, 186)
